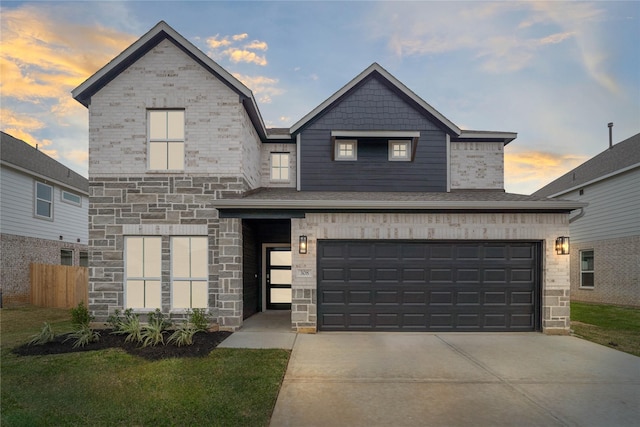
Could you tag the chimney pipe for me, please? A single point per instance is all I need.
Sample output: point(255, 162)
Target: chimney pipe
point(610, 125)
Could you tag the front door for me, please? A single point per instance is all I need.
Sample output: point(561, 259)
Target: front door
point(278, 278)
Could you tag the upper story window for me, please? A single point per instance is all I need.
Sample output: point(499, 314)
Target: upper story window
point(280, 166)
point(43, 201)
point(587, 269)
point(71, 198)
point(166, 139)
point(346, 149)
point(399, 151)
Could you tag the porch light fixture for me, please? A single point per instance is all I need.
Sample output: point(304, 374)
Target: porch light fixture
point(302, 245)
point(562, 245)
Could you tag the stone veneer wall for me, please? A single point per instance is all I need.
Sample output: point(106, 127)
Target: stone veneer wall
point(616, 271)
point(18, 252)
point(481, 226)
point(164, 206)
point(477, 165)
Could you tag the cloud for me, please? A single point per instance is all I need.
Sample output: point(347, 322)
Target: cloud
point(239, 37)
point(262, 87)
point(534, 169)
point(257, 45)
point(215, 43)
point(241, 55)
point(235, 52)
point(77, 156)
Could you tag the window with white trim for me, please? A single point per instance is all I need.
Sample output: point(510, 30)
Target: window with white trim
point(166, 139)
point(143, 272)
point(280, 166)
point(71, 198)
point(399, 151)
point(346, 149)
point(189, 272)
point(43, 201)
point(587, 269)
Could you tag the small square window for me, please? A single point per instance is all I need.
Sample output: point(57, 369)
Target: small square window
point(280, 166)
point(587, 269)
point(400, 151)
point(346, 149)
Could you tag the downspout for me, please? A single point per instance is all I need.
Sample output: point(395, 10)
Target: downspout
point(448, 140)
point(298, 147)
point(577, 217)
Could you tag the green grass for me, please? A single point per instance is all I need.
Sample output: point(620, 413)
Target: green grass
point(230, 387)
point(613, 326)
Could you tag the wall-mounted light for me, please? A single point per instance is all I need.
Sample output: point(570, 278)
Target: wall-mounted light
point(562, 245)
point(302, 245)
point(60, 237)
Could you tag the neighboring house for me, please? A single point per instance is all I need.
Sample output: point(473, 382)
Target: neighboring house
point(605, 235)
point(44, 210)
point(373, 212)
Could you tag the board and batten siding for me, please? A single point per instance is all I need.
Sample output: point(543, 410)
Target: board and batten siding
point(613, 211)
point(372, 106)
point(17, 211)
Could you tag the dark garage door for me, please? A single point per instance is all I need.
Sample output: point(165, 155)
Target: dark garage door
point(428, 286)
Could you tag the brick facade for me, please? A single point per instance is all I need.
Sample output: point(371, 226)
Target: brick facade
point(477, 165)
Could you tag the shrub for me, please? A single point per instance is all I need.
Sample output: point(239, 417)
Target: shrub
point(128, 325)
point(83, 336)
point(80, 316)
point(199, 319)
point(183, 335)
point(44, 336)
point(153, 332)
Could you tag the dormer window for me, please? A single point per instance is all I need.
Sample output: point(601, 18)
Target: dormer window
point(399, 151)
point(346, 149)
point(166, 140)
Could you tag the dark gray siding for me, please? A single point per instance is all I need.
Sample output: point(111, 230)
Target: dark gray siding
point(373, 106)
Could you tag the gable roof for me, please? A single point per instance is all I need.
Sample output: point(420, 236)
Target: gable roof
point(144, 44)
point(620, 158)
point(19, 155)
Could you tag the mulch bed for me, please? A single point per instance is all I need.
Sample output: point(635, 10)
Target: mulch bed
point(203, 343)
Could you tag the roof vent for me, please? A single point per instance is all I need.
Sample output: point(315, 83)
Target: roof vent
point(610, 125)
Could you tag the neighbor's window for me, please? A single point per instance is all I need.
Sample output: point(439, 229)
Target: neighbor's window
point(346, 149)
point(84, 259)
point(166, 139)
point(400, 151)
point(44, 201)
point(74, 199)
point(66, 257)
point(280, 166)
point(143, 270)
point(190, 272)
point(586, 269)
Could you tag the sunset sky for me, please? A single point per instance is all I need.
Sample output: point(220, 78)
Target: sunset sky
point(554, 72)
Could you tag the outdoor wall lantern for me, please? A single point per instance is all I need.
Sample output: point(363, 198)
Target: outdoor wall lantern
point(562, 245)
point(302, 246)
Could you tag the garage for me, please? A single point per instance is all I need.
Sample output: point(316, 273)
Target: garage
point(444, 286)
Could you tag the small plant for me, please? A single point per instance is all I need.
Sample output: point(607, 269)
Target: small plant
point(183, 335)
point(80, 316)
point(44, 336)
point(130, 326)
point(198, 317)
point(83, 336)
point(114, 320)
point(153, 332)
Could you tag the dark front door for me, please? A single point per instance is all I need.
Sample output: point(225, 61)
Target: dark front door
point(278, 278)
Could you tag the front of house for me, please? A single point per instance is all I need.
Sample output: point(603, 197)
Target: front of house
point(373, 212)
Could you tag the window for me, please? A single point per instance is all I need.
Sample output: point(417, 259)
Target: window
point(400, 151)
point(280, 166)
point(74, 199)
point(143, 265)
point(166, 139)
point(66, 257)
point(44, 200)
point(84, 259)
point(190, 272)
point(346, 149)
point(586, 269)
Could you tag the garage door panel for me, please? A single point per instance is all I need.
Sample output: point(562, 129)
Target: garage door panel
point(423, 286)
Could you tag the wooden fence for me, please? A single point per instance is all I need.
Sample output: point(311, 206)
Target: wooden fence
point(59, 286)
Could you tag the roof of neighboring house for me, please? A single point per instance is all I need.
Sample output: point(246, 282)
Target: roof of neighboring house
point(620, 158)
point(484, 200)
point(22, 156)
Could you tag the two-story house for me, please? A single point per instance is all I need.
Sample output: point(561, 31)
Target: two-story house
point(605, 235)
point(372, 212)
point(43, 216)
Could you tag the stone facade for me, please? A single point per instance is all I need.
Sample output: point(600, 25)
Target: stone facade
point(477, 165)
point(616, 271)
point(525, 227)
point(18, 252)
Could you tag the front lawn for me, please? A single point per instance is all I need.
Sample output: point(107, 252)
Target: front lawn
point(613, 326)
point(230, 387)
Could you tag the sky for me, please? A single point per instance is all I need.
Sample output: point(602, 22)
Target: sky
point(554, 72)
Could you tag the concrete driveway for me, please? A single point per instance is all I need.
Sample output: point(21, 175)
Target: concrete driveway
point(422, 379)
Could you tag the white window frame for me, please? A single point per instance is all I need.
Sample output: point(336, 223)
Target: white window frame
point(64, 193)
point(37, 199)
point(340, 155)
point(190, 278)
point(144, 277)
point(165, 142)
point(276, 170)
point(394, 155)
point(583, 269)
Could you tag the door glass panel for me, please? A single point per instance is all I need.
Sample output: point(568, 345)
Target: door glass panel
point(280, 277)
point(280, 295)
point(281, 258)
